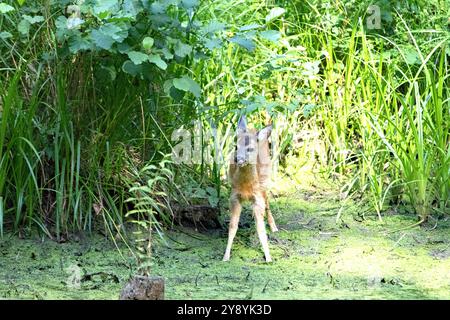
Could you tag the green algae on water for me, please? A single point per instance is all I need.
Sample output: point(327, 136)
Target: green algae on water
point(314, 258)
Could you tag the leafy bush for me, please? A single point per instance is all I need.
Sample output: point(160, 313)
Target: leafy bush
point(91, 92)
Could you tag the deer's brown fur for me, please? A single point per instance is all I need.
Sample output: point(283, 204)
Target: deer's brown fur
point(249, 182)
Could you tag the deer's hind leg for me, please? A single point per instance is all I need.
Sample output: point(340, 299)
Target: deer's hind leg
point(258, 212)
point(270, 219)
point(235, 206)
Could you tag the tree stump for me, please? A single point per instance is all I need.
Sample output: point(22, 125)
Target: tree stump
point(143, 288)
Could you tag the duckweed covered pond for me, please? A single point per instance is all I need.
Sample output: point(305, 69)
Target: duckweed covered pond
point(315, 257)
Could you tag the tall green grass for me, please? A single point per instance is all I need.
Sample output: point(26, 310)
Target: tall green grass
point(67, 135)
point(384, 118)
point(379, 99)
point(75, 139)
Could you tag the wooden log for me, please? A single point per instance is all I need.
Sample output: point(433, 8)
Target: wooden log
point(197, 216)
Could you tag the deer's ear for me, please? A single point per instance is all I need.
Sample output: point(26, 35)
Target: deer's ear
point(242, 123)
point(264, 133)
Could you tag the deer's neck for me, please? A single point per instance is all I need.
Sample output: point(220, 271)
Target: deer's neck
point(245, 181)
point(247, 173)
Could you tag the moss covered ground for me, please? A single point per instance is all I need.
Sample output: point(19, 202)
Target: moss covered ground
point(316, 256)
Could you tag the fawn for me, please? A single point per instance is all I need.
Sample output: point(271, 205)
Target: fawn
point(249, 174)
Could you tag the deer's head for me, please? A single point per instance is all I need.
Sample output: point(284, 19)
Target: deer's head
point(249, 142)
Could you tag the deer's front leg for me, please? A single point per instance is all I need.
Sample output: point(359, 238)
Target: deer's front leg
point(270, 219)
point(258, 212)
point(235, 207)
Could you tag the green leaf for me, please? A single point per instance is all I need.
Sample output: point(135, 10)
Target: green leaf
point(411, 56)
point(137, 57)
point(167, 85)
point(271, 35)
point(170, 2)
point(157, 8)
point(24, 27)
point(108, 71)
point(275, 13)
point(21, 2)
point(187, 84)
point(250, 27)
point(26, 22)
point(213, 201)
point(147, 43)
point(167, 54)
point(176, 94)
point(188, 4)
point(182, 49)
point(117, 31)
point(74, 23)
point(308, 109)
point(5, 8)
point(311, 69)
point(33, 20)
point(5, 35)
point(61, 28)
point(212, 44)
point(130, 68)
point(101, 40)
point(213, 27)
point(78, 43)
point(103, 8)
point(123, 47)
point(132, 8)
point(244, 42)
point(156, 59)
point(105, 36)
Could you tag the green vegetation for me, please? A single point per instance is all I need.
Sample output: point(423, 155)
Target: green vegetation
point(91, 93)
